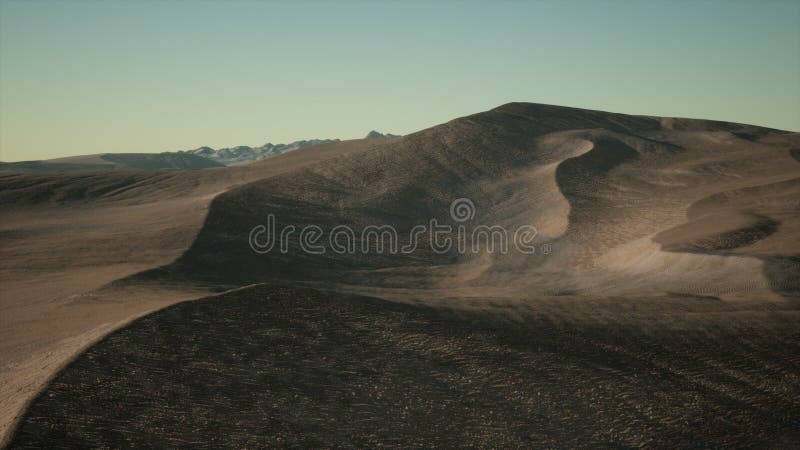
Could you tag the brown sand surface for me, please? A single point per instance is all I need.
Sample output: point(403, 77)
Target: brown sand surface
point(673, 242)
point(65, 236)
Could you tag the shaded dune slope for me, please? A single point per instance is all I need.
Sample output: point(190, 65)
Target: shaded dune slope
point(599, 186)
point(65, 238)
point(274, 365)
point(402, 183)
point(761, 221)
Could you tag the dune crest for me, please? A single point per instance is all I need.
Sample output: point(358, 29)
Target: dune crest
point(691, 221)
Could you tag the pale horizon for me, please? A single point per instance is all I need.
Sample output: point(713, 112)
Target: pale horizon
point(87, 77)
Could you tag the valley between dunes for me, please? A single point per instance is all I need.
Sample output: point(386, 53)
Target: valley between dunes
point(664, 311)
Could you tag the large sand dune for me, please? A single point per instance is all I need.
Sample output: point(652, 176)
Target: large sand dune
point(656, 235)
point(622, 202)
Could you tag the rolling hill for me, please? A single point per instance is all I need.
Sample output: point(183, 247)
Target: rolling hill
point(114, 161)
point(658, 308)
point(201, 158)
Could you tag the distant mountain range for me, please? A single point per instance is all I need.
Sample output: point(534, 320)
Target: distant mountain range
point(244, 154)
point(376, 134)
point(199, 158)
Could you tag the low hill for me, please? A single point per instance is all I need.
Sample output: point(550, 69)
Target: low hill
point(201, 158)
point(114, 161)
point(625, 204)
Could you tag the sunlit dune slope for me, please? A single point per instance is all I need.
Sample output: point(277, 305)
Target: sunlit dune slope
point(622, 204)
point(64, 237)
point(646, 227)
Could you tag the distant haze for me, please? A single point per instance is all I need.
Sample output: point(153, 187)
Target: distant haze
point(91, 77)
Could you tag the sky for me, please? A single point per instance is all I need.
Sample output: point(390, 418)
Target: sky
point(83, 77)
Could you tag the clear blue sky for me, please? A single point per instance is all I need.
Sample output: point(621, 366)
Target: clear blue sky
point(79, 77)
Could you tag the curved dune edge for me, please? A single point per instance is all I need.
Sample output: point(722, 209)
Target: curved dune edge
point(27, 378)
point(137, 207)
point(17, 397)
point(289, 366)
point(550, 215)
point(733, 273)
point(647, 265)
point(91, 314)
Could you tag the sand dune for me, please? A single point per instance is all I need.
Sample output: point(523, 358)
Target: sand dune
point(279, 366)
point(655, 228)
point(65, 237)
point(604, 197)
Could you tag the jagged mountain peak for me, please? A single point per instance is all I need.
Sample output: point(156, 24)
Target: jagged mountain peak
point(242, 154)
point(377, 134)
